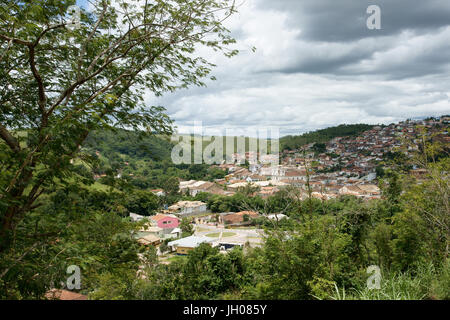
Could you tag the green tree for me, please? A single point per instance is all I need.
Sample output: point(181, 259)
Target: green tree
point(186, 227)
point(142, 202)
point(170, 185)
point(58, 85)
point(75, 226)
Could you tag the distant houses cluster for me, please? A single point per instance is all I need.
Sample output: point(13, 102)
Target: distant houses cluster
point(165, 226)
point(346, 167)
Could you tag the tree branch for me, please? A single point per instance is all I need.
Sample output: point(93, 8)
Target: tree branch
point(42, 97)
point(10, 140)
point(16, 40)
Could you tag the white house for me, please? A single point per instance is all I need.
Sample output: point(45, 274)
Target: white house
point(188, 208)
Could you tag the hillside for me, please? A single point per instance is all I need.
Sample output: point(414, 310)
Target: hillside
point(158, 148)
point(134, 145)
point(129, 143)
point(320, 136)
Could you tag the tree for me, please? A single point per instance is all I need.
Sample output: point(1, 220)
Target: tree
point(58, 85)
point(170, 185)
point(164, 247)
point(319, 147)
point(75, 226)
point(249, 189)
point(142, 202)
point(186, 227)
point(216, 173)
point(422, 227)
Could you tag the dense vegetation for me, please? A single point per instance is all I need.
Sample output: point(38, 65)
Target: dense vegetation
point(321, 251)
point(322, 136)
point(65, 93)
point(115, 145)
point(59, 83)
point(141, 161)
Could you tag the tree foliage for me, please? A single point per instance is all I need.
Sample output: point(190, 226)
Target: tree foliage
point(57, 84)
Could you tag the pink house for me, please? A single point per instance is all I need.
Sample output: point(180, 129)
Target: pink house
point(165, 221)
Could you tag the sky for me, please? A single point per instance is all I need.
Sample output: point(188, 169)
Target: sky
point(318, 65)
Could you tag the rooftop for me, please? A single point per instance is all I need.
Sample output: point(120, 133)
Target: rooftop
point(56, 294)
point(190, 242)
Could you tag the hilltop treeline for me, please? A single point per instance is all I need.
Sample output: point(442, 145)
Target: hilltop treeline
point(137, 145)
point(130, 143)
point(322, 136)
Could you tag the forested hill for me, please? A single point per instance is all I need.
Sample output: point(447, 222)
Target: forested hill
point(158, 148)
point(129, 143)
point(323, 135)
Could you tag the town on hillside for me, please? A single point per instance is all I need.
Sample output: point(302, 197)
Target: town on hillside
point(342, 166)
point(345, 165)
point(209, 150)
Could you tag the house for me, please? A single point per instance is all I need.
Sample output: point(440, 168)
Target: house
point(55, 294)
point(184, 245)
point(154, 230)
point(239, 173)
point(149, 240)
point(369, 189)
point(158, 192)
point(251, 214)
point(255, 178)
point(238, 217)
point(136, 217)
point(274, 173)
point(319, 195)
point(267, 191)
point(166, 222)
point(227, 245)
point(253, 168)
point(188, 208)
point(295, 175)
point(270, 183)
point(150, 235)
point(270, 158)
point(277, 216)
point(176, 233)
point(232, 218)
point(193, 187)
point(238, 185)
point(350, 190)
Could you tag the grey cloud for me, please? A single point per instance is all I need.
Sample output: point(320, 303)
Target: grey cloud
point(332, 71)
point(345, 20)
point(334, 39)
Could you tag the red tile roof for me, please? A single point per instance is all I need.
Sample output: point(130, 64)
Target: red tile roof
point(55, 294)
point(158, 217)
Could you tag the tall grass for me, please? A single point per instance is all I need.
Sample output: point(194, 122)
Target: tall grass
point(426, 283)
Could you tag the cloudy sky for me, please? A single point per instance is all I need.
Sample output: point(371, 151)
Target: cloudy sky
point(317, 65)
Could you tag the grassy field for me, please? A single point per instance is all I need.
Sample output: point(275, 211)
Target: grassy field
point(200, 229)
point(175, 258)
point(224, 234)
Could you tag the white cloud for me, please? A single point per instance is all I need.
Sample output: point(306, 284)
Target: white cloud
point(301, 84)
